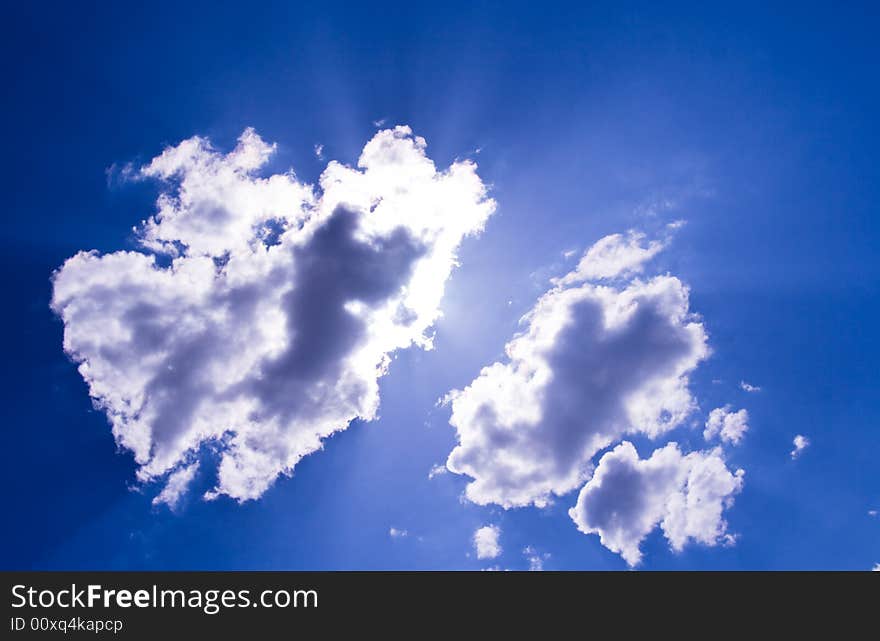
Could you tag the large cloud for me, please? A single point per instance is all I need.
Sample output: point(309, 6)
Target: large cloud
point(628, 497)
point(597, 360)
point(604, 353)
point(279, 310)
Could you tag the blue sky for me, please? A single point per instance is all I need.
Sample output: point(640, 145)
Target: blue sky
point(755, 125)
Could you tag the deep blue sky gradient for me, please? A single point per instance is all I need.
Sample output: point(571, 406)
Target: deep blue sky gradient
point(759, 123)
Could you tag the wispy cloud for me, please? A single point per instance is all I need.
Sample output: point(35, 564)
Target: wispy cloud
point(534, 558)
point(176, 485)
point(437, 470)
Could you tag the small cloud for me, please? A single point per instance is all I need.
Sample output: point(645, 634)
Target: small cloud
point(319, 152)
point(535, 559)
point(437, 470)
point(876, 567)
point(568, 253)
point(486, 542)
point(394, 533)
point(801, 443)
point(176, 486)
point(379, 123)
point(445, 400)
point(684, 494)
point(872, 512)
point(730, 426)
point(748, 387)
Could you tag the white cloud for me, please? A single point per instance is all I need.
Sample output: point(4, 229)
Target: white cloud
point(595, 361)
point(437, 470)
point(748, 387)
point(730, 426)
point(319, 152)
point(280, 308)
point(628, 497)
point(535, 558)
point(876, 567)
point(486, 542)
point(801, 443)
point(604, 353)
point(395, 533)
point(872, 512)
point(176, 485)
point(614, 256)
